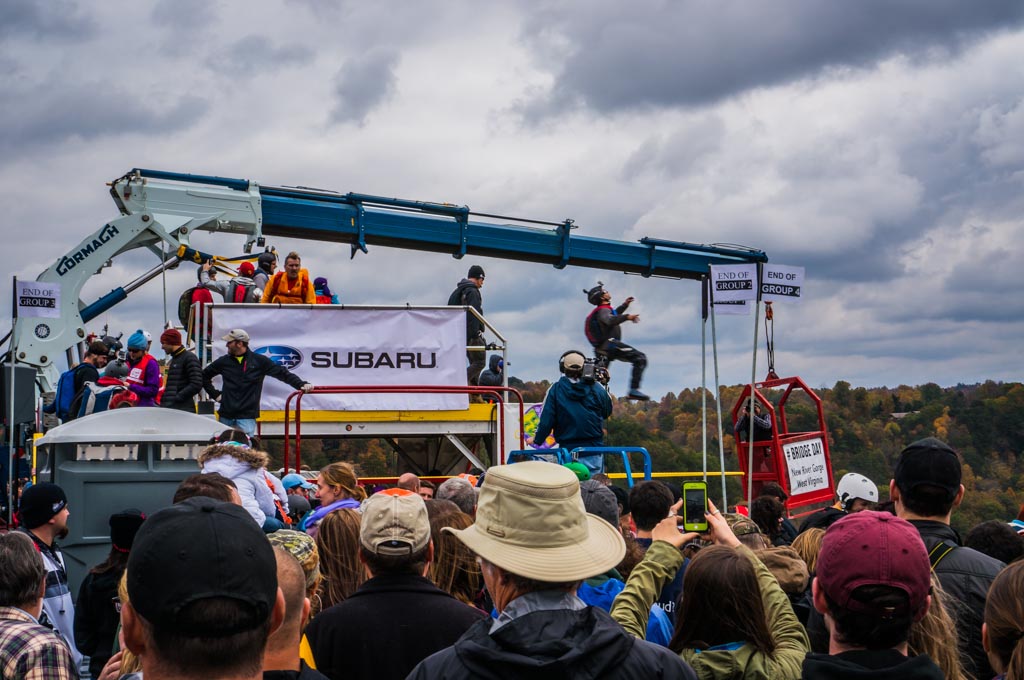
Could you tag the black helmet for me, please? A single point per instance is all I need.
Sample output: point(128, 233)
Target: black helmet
point(265, 260)
point(595, 294)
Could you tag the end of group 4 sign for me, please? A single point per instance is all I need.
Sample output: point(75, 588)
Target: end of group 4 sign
point(738, 283)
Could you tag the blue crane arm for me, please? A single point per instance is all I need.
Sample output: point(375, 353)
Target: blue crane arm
point(362, 220)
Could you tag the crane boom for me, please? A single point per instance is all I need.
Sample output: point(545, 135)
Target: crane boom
point(159, 206)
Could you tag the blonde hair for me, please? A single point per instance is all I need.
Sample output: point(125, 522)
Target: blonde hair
point(808, 544)
point(343, 475)
point(337, 540)
point(935, 635)
point(1004, 620)
point(129, 662)
point(454, 569)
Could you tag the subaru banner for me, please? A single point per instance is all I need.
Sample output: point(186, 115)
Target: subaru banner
point(354, 347)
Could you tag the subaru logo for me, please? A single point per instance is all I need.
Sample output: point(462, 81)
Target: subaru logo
point(282, 355)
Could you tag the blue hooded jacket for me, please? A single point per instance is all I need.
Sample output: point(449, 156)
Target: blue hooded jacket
point(575, 410)
point(659, 627)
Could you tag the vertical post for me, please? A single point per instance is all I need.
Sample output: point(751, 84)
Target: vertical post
point(704, 372)
point(10, 406)
point(718, 405)
point(753, 379)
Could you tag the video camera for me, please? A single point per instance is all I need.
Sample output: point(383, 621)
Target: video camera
point(595, 370)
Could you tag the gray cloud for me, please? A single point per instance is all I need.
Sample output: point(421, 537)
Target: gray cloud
point(190, 15)
point(54, 19)
point(56, 111)
point(678, 153)
point(616, 56)
point(256, 54)
point(362, 84)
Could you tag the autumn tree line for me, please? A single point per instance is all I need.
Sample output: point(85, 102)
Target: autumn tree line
point(867, 428)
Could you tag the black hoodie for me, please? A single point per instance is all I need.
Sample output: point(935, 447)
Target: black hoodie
point(885, 664)
point(491, 376)
point(467, 293)
point(554, 644)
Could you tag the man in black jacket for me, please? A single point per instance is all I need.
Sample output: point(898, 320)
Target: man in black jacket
point(926, 487)
point(467, 294)
point(243, 372)
point(398, 617)
point(184, 374)
point(536, 544)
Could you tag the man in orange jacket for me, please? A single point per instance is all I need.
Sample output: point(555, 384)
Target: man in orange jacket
point(292, 286)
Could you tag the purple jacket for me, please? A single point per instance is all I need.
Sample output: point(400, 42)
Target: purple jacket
point(144, 381)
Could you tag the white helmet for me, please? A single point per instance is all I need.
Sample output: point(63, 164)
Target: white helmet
point(854, 485)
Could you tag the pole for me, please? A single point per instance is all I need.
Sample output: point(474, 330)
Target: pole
point(704, 374)
point(10, 407)
point(718, 405)
point(753, 379)
point(163, 272)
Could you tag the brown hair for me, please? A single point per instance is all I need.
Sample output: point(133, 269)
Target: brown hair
point(935, 635)
point(720, 603)
point(807, 544)
point(767, 511)
point(343, 475)
point(212, 485)
point(454, 569)
point(337, 540)
point(293, 256)
point(634, 554)
point(1004, 621)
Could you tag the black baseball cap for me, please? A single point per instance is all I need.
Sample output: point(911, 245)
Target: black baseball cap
point(196, 550)
point(929, 462)
point(40, 503)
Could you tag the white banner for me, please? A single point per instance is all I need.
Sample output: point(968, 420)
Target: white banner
point(732, 282)
point(738, 308)
point(38, 299)
point(355, 347)
point(806, 463)
point(781, 282)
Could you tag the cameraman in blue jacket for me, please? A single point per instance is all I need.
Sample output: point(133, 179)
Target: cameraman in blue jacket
point(575, 409)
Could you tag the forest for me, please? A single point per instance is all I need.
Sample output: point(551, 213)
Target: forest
point(867, 428)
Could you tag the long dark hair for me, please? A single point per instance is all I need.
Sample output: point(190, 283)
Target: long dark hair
point(720, 603)
point(116, 562)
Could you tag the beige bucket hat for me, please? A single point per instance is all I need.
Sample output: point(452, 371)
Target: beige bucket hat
point(530, 521)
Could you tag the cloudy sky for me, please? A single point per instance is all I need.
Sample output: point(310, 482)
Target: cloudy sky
point(879, 144)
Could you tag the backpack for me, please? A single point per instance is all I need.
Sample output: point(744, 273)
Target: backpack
point(185, 306)
point(96, 398)
point(65, 393)
point(240, 292)
point(457, 298)
point(594, 330)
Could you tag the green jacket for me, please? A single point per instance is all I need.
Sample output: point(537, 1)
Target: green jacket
point(660, 564)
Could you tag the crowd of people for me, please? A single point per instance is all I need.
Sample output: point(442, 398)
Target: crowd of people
point(529, 570)
point(532, 570)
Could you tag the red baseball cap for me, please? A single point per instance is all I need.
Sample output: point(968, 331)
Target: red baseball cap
point(874, 549)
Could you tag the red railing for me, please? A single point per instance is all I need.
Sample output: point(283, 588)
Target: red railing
point(770, 464)
point(497, 392)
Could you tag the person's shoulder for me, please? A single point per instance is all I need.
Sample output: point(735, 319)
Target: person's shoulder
point(979, 563)
point(646, 656)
